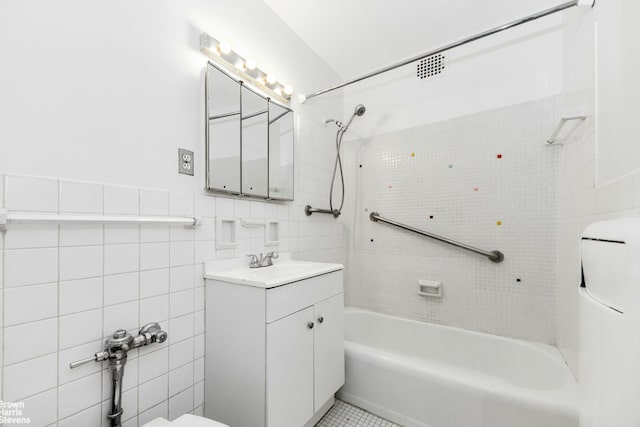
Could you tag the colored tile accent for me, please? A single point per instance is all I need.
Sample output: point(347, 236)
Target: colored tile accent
point(413, 154)
point(499, 156)
point(450, 166)
point(498, 222)
point(476, 189)
point(430, 216)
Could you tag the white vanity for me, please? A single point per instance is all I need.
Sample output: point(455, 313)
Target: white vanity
point(274, 342)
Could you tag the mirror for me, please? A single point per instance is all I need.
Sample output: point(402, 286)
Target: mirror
point(223, 132)
point(280, 152)
point(249, 140)
point(255, 143)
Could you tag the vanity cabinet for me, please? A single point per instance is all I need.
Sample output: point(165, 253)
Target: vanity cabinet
point(274, 356)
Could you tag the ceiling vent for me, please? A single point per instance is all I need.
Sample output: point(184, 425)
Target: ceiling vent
point(430, 66)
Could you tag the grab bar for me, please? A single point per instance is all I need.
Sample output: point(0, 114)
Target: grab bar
point(495, 256)
point(308, 210)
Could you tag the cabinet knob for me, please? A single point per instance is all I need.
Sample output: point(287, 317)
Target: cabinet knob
point(310, 325)
point(320, 319)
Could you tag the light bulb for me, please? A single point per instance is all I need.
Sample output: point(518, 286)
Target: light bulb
point(224, 47)
point(288, 90)
point(250, 64)
point(240, 65)
point(278, 91)
point(271, 78)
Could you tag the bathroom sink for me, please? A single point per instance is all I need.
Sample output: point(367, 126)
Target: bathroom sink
point(284, 270)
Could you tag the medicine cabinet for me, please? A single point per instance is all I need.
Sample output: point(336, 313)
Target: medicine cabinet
point(249, 140)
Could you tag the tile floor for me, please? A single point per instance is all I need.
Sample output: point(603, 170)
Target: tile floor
point(344, 415)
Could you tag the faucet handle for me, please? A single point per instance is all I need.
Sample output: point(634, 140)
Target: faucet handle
point(255, 261)
point(273, 255)
point(98, 357)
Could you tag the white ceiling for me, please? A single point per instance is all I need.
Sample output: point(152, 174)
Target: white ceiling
point(358, 36)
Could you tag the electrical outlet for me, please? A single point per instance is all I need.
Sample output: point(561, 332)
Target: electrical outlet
point(185, 161)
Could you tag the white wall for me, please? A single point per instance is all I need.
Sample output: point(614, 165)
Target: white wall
point(486, 179)
point(108, 92)
point(96, 100)
point(521, 64)
point(496, 95)
point(599, 176)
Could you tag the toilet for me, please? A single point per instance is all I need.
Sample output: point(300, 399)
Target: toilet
point(609, 310)
point(186, 420)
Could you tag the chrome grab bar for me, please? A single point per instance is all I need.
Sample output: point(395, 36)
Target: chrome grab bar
point(308, 210)
point(495, 256)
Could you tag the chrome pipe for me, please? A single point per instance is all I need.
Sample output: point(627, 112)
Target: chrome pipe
point(495, 256)
point(117, 375)
point(116, 349)
point(449, 46)
point(308, 210)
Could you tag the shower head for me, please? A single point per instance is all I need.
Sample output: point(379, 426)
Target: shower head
point(359, 111)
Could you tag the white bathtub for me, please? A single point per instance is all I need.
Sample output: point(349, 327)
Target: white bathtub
point(424, 375)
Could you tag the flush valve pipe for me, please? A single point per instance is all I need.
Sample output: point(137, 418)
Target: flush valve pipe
point(116, 348)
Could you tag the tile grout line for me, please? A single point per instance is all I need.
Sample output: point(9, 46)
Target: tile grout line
point(58, 286)
point(4, 267)
point(139, 202)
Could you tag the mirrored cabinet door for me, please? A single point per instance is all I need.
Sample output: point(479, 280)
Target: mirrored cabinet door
point(255, 143)
point(223, 132)
point(280, 152)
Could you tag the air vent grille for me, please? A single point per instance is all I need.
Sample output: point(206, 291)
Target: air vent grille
point(430, 66)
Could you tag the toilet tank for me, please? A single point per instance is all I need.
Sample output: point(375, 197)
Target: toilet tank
point(609, 341)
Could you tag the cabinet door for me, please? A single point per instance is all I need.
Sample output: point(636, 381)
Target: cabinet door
point(255, 143)
point(329, 348)
point(223, 132)
point(290, 370)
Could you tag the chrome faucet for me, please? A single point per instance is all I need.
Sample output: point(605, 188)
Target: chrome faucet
point(115, 351)
point(260, 261)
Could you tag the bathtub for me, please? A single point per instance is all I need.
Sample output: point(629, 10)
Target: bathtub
point(418, 374)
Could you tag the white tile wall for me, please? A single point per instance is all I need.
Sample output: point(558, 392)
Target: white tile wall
point(68, 287)
point(583, 198)
point(447, 178)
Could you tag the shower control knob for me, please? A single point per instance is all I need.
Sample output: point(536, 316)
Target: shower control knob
point(320, 319)
point(310, 325)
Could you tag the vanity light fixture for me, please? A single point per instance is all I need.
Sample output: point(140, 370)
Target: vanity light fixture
point(250, 64)
point(246, 68)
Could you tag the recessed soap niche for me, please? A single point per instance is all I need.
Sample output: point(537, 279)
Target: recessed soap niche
point(227, 233)
point(430, 288)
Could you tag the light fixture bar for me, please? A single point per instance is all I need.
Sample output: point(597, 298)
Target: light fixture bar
point(246, 68)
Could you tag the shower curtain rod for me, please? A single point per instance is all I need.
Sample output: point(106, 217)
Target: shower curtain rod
point(546, 12)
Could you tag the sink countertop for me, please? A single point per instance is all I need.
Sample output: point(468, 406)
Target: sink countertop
point(284, 270)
